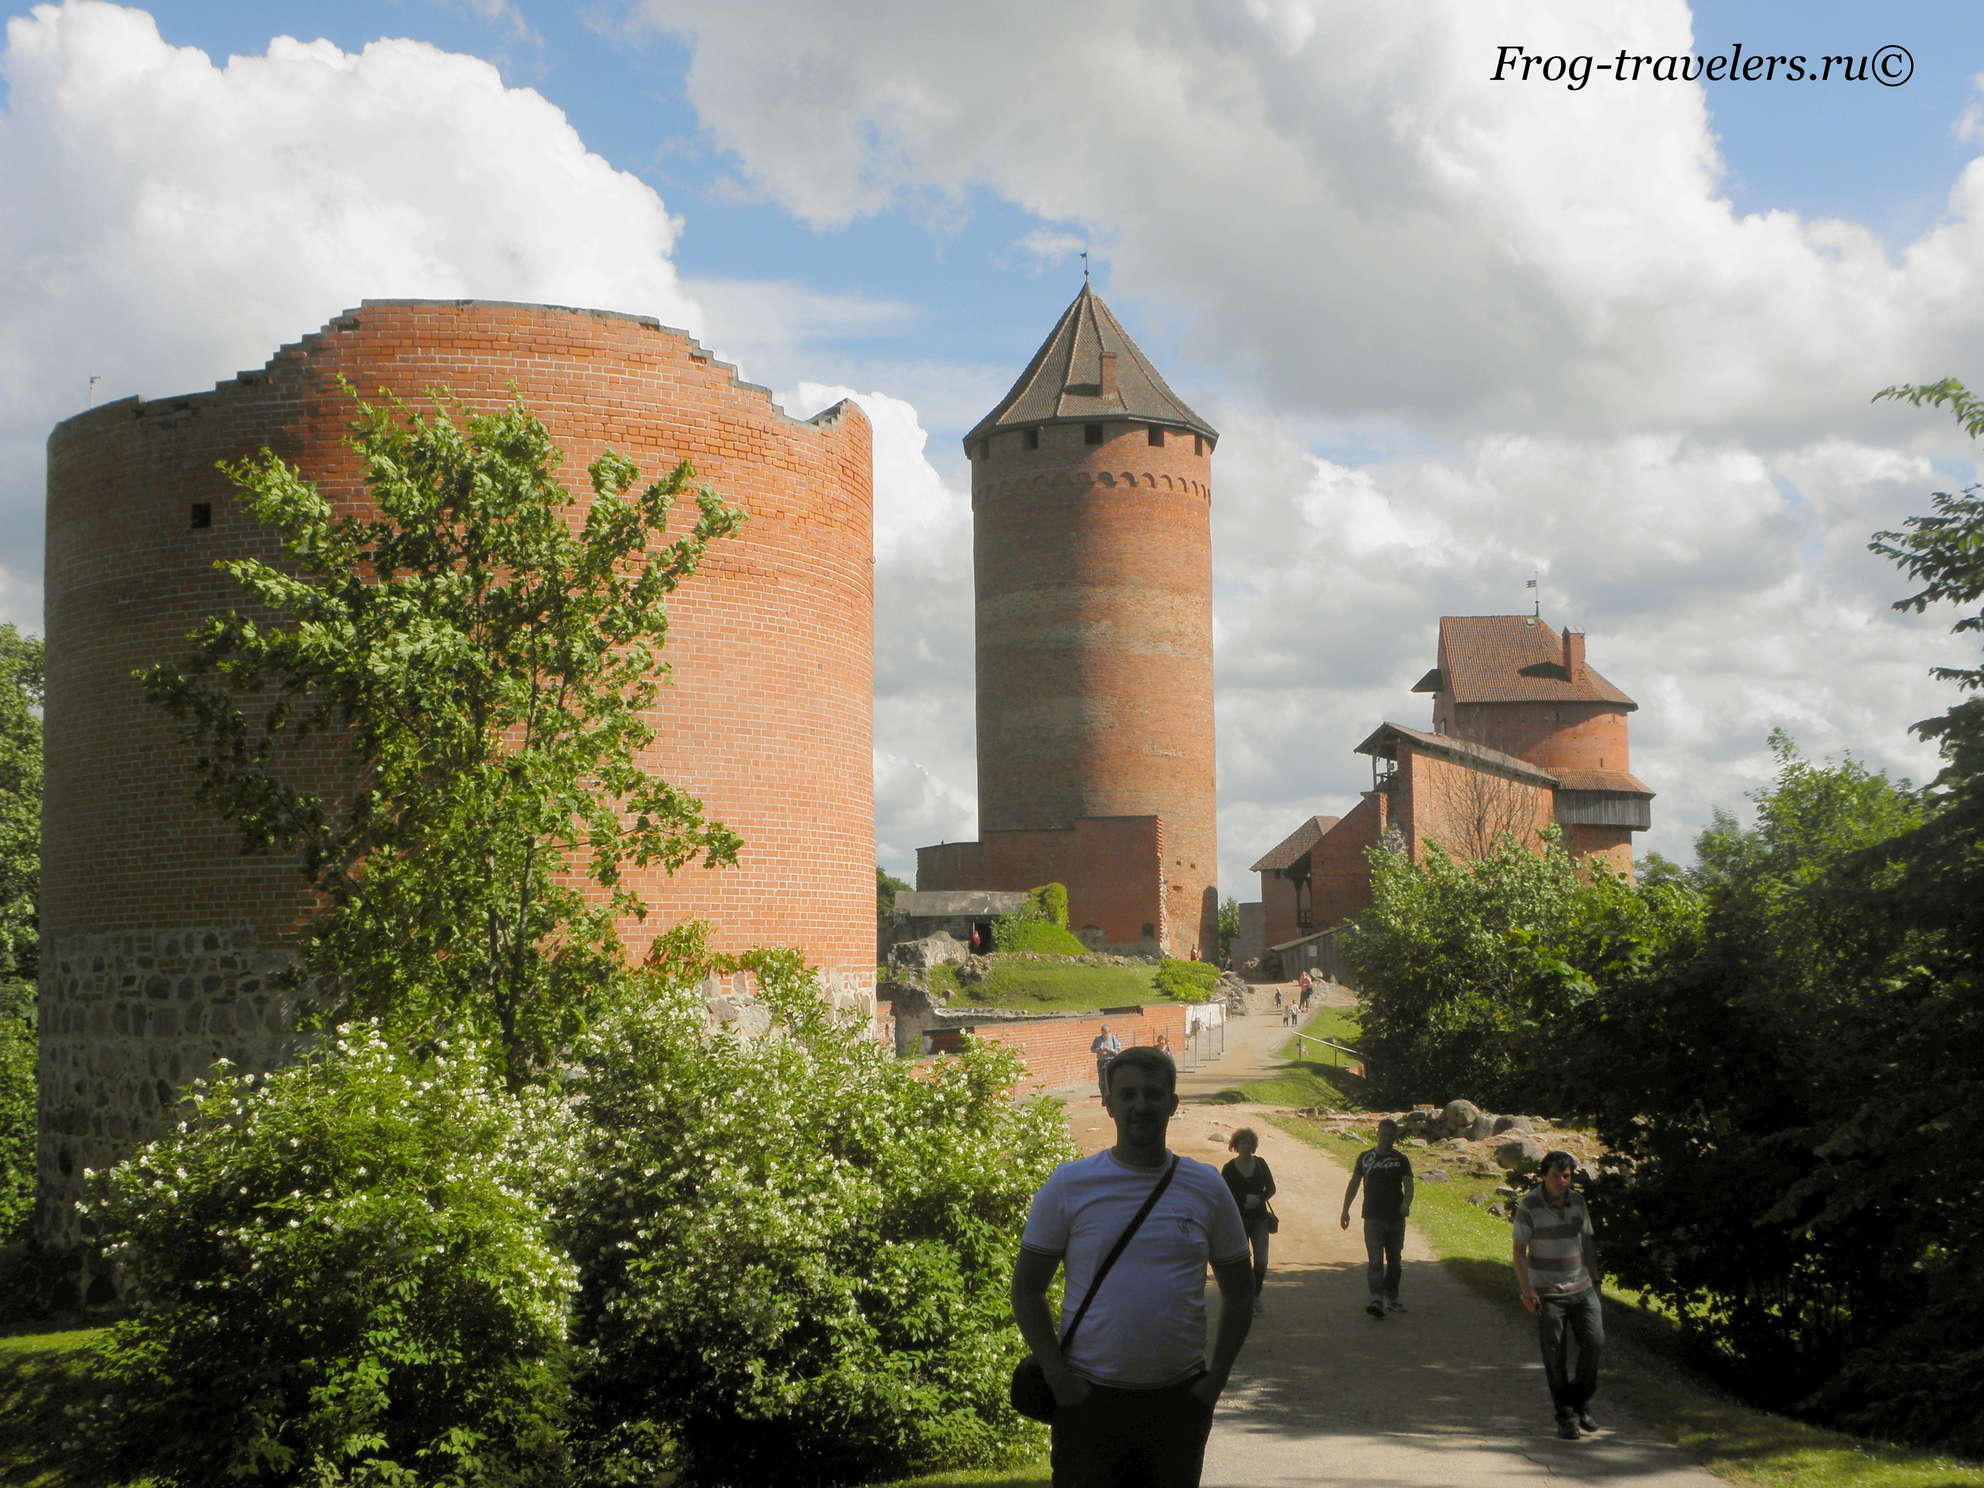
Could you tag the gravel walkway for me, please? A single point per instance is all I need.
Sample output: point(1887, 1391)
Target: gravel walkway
point(1450, 1392)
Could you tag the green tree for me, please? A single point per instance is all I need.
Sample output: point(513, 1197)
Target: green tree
point(1742, 1081)
point(1471, 976)
point(887, 886)
point(479, 654)
point(795, 1251)
point(1228, 929)
point(22, 662)
point(1891, 1150)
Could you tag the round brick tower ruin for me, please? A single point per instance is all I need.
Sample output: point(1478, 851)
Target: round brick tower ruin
point(1091, 491)
point(161, 943)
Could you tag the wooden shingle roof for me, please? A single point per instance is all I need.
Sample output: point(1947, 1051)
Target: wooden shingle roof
point(1292, 848)
point(1065, 382)
point(1384, 742)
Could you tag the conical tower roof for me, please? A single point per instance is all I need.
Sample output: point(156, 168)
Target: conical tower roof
point(1066, 382)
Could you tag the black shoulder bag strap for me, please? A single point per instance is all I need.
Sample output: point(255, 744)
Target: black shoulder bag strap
point(1115, 1251)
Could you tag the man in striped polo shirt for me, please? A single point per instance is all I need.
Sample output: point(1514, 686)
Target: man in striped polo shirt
point(1557, 1269)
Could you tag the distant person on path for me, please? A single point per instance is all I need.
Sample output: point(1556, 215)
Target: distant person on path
point(1251, 1182)
point(1557, 1270)
point(1306, 984)
point(1163, 1045)
point(1105, 1047)
point(1134, 1394)
point(1385, 1174)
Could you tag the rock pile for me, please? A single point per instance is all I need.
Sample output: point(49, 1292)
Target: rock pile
point(1466, 1141)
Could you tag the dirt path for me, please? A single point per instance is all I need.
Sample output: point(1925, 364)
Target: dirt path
point(1449, 1393)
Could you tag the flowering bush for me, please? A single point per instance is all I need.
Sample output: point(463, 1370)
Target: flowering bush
point(795, 1251)
point(343, 1277)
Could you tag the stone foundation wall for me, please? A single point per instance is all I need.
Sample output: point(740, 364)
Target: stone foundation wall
point(136, 1015)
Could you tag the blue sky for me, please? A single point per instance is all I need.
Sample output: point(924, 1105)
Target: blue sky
point(1454, 332)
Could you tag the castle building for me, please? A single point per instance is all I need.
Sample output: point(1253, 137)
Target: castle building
point(162, 944)
point(1091, 488)
point(1526, 733)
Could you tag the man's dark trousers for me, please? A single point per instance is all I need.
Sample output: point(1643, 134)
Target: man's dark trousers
point(1132, 1439)
point(1560, 1323)
point(1384, 1250)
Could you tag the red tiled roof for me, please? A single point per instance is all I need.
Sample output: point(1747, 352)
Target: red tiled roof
point(1291, 849)
point(1512, 659)
point(1063, 382)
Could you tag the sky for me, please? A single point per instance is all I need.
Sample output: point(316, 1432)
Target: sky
point(1617, 333)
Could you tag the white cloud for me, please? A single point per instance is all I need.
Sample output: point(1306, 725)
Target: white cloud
point(1465, 332)
point(925, 778)
point(171, 220)
point(1727, 592)
point(1340, 197)
point(1049, 248)
point(777, 331)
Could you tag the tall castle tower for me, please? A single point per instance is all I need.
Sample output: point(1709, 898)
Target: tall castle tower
point(1091, 486)
point(162, 945)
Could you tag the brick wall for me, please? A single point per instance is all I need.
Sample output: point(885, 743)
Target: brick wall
point(1551, 736)
point(1093, 580)
point(1611, 845)
point(1113, 869)
point(1056, 1050)
point(1340, 873)
point(1463, 809)
point(155, 931)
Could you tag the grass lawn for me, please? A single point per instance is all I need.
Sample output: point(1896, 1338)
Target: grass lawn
point(1644, 1366)
point(1315, 1077)
point(1033, 1475)
point(40, 1375)
point(1049, 987)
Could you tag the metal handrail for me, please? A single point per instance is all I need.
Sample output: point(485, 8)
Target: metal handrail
point(1333, 1046)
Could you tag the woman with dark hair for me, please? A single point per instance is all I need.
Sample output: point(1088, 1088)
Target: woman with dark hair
point(1252, 1185)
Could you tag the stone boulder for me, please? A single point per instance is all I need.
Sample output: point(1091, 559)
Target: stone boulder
point(1461, 1114)
point(1520, 1154)
point(1480, 1127)
point(1511, 1123)
point(915, 956)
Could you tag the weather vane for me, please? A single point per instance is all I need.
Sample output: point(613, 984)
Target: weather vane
point(1536, 599)
point(1084, 265)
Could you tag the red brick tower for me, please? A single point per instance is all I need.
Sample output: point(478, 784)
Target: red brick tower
point(1516, 685)
point(159, 941)
point(1091, 500)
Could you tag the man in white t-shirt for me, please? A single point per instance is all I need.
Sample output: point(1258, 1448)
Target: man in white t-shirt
point(1134, 1393)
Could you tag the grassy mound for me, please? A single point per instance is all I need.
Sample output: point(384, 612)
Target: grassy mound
point(1048, 986)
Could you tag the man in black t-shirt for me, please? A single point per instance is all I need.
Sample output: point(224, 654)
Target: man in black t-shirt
point(1386, 1176)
